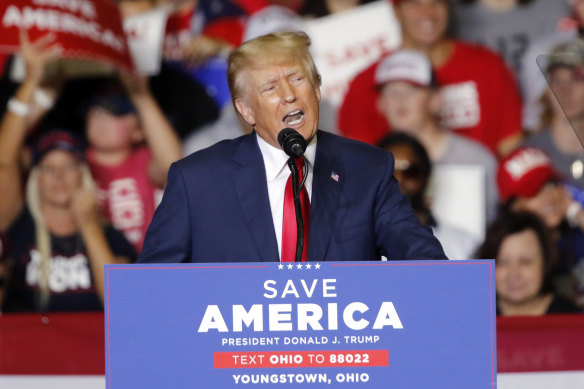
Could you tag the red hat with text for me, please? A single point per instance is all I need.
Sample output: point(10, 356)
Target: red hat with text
point(405, 65)
point(524, 172)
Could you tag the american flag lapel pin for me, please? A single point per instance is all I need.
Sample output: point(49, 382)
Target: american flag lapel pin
point(335, 176)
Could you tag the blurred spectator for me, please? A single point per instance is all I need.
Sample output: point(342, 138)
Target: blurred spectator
point(501, 25)
point(528, 182)
point(524, 257)
point(481, 100)
point(411, 102)
point(412, 171)
point(532, 80)
point(127, 170)
point(564, 111)
point(320, 8)
point(131, 147)
point(59, 246)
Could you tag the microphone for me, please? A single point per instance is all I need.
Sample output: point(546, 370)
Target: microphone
point(294, 146)
point(292, 142)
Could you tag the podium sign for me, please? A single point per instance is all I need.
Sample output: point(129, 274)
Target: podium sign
point(410, 324)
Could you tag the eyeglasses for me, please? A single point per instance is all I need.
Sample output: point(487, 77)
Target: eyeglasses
point(409, 170)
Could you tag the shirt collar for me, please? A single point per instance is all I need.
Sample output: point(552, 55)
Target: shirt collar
point(275, 158)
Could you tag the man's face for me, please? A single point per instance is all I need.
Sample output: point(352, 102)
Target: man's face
point(550, 204)
point(423, 22)
point(108, 132)
point(519, 268)
point(567, 84)
point(406, 107)
point(279, 95)
point(408, 171)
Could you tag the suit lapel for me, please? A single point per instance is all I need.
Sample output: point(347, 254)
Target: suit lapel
point(327, 186)
point(250, 182)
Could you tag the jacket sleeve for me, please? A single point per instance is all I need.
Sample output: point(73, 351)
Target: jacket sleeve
point(168, 239)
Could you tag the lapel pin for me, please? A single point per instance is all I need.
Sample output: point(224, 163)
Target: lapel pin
point(335, 176)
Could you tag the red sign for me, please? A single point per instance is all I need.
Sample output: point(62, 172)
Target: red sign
point(319, 358)
point(86, 29)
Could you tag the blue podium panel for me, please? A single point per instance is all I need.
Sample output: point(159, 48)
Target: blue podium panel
point(411, 324)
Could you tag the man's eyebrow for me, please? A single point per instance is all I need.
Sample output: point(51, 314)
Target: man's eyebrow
point(294, 72)
point(269, 81)
point(273, 80)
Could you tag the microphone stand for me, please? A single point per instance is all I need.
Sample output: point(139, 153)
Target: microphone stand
point(296, 187)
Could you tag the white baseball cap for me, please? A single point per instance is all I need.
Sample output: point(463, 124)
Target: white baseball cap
point(405, 65)
point(273, 18)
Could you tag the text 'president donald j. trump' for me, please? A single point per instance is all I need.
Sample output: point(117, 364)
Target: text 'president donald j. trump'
point(234, 201)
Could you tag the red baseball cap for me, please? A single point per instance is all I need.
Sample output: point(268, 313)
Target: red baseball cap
point(524, 172)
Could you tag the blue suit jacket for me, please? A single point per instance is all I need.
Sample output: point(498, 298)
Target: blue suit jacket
point(216, 208)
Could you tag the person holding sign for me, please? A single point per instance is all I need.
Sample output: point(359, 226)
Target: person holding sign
point(59, 245)
point(232, 201)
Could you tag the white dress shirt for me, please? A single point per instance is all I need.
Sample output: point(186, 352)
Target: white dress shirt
point(277, 173)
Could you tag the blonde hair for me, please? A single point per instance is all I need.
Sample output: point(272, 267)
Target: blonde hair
point(43, 236)
point(279, 47)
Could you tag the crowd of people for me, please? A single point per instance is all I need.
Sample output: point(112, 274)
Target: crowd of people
point(84, 160)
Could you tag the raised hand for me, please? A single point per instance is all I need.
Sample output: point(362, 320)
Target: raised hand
point(36, 54)
point(84, 207)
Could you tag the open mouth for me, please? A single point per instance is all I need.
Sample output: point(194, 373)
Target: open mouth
point(293, 118)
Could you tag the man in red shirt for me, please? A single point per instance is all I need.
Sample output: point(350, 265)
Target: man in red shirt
point(480, 96)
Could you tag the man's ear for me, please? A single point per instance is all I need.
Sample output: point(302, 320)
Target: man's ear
point(245, 111)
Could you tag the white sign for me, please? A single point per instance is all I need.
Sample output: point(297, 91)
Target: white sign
point(469, 182)
point(348, 42)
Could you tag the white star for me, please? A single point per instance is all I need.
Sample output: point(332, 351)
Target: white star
point(280, 267)
point(299, 266)
point(308, 265)
point(317, 266)
point(290, 266)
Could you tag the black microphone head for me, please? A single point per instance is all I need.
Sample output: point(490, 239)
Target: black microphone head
point(292, 142)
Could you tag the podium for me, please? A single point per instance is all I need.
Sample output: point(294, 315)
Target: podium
point(400, 324)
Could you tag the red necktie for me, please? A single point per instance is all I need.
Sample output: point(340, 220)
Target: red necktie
point(289, 220)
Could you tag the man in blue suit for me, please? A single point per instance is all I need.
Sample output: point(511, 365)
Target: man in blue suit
point(226, 203)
